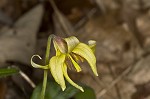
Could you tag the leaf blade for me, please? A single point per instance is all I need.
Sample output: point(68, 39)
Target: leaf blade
point(8, 72)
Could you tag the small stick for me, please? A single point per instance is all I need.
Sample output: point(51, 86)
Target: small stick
point(27, 79)
point(64, 22)
point(116, 86)
point(104, 91)
point(101, 6)
point(100, 83)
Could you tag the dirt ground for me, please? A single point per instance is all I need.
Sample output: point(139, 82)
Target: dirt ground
point(121, 29)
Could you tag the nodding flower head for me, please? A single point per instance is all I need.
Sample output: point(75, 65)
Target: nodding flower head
point(69, 51)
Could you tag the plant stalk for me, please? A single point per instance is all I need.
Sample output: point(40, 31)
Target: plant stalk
point(44, 84)
point(46, 62)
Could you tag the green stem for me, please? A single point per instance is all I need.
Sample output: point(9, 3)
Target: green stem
point(44, 84)
point(46, 62)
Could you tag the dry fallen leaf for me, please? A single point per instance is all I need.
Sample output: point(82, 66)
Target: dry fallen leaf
point(17, 43)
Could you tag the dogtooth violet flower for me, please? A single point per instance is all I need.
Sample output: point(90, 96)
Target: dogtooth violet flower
point(69, 52)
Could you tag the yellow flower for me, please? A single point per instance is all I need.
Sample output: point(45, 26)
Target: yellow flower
point(70, 50)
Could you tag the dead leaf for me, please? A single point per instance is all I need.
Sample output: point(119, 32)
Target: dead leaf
point(17, 43)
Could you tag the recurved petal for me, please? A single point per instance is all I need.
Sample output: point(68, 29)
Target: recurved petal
point(72, 42)
point(85, 51)
point(69, 80)
point(56, 63)
point(37, 65)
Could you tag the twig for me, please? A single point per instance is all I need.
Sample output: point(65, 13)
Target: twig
point(85, 18)
point(101, 6)
point(27, 79)
point(100, 83)
point(64, 22)
point(125, 72)
point(104, 91)
point(129, 16)
point(135, 31)
point(116, 86)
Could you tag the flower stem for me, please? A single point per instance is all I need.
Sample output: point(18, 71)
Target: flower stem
point(46, 62)
point(44, 84)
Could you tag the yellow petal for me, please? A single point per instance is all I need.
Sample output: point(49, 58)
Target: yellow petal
point(84, 51)
point(69, 80)
point(72, 42)
point(55, 65)
point(75, 64)
point(37, 65)
point(92, 45)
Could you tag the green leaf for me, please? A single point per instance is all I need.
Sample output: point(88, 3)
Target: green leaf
point(87, 94)
point(85, 51)
point(8, 72)
point(53, 91)
point(68, 93)
point(37, 92)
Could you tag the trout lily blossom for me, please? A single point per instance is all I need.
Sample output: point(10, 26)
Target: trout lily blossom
point(69, 52)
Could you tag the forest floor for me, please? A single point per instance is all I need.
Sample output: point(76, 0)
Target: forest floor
point(121, 29)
